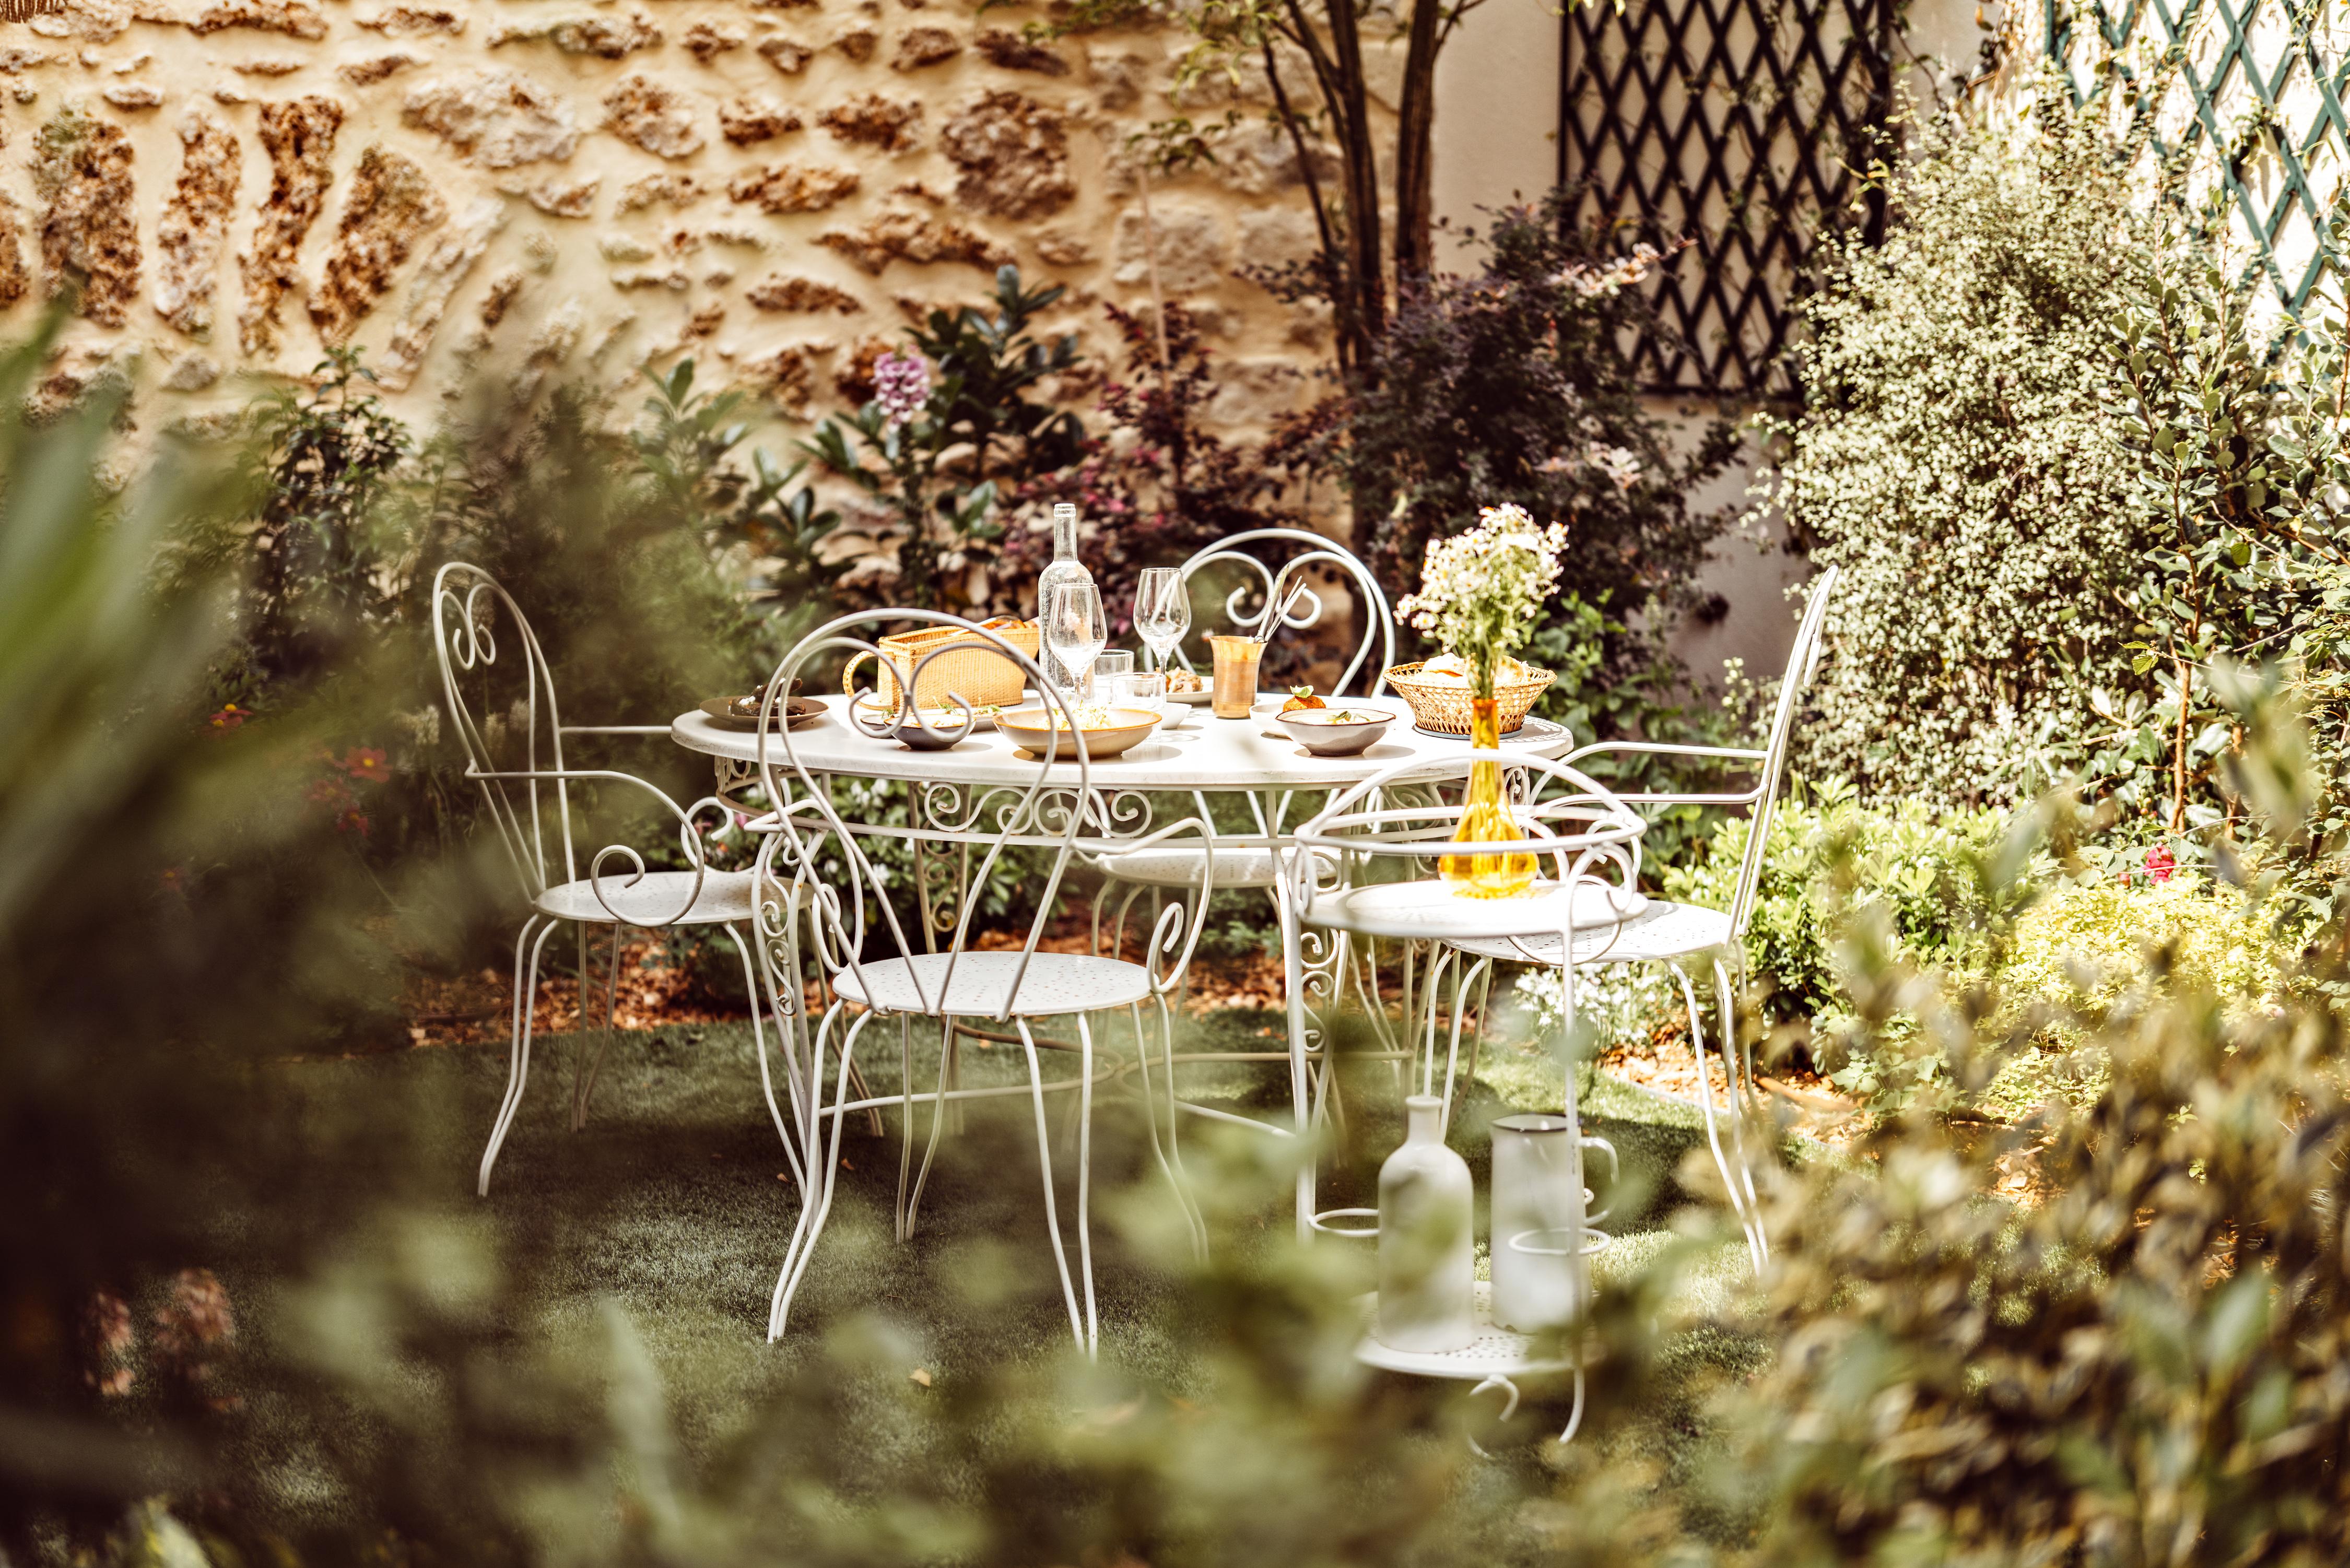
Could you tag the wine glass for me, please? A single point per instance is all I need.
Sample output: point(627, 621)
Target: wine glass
point(1076, 628)
point(1162, 611)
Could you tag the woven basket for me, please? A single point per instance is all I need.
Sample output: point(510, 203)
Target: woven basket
point(970, 666)
point(1445, 708)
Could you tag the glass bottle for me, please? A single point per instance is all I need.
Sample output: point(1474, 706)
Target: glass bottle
point(1064, 568)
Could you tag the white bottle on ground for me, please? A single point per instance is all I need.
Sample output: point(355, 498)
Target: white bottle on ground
point(1428, 1260)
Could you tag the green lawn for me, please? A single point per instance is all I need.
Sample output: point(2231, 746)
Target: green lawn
point(668, 1204)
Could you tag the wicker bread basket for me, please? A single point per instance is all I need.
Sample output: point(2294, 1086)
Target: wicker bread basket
point(1444, 707)
point(970, 666)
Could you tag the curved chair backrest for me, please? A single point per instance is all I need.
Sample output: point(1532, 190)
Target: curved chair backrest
point(1380, 624)
point(1580, 831)
point(1037, 813)
point(511, 728)
point(1803, 660)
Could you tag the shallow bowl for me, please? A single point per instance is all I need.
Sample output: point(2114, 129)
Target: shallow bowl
point(1320, 731)
point(1033, 729)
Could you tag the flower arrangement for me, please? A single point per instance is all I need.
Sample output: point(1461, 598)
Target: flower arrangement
point(1481, 592)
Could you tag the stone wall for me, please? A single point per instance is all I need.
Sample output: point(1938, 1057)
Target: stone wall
point(551, 188)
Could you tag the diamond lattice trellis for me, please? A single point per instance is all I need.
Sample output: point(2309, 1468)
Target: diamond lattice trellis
point(2248, 97)
point(1739, 125)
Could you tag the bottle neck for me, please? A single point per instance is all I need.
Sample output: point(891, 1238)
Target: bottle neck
point(1425, 1119)
point(1064, 534)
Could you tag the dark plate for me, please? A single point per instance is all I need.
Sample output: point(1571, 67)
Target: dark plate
point(798, 713)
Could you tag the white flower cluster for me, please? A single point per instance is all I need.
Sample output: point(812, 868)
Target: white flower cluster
point(1954, 460)
point(1481, 592)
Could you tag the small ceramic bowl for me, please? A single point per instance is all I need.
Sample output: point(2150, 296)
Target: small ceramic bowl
point(1033, 729)
point(1340, 731)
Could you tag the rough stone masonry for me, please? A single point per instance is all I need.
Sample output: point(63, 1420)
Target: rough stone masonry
point(578, 188)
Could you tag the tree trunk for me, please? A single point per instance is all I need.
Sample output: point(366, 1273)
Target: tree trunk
point(1354, 124)
point(1415, 155)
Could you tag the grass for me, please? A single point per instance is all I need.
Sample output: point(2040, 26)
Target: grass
point(669, 1205)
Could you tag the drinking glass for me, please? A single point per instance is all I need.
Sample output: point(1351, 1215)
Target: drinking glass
point(1074, 629)
point(1108, 668)
point(1162, 611)
point(1144, 689)
point(1233, 693)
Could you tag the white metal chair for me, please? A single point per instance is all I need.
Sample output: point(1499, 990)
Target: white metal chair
point(1250, 861)
point(1251, 864)
point(872, 965)
point(1590, 840)
point(1677, 934)
point(516, 751)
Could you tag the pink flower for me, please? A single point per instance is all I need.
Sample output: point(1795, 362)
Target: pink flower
point(2161, 862)
point(901, 385)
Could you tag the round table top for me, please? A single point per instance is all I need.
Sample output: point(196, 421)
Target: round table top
point(1204, 753)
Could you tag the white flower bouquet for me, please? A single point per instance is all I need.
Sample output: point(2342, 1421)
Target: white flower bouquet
point(1481, 592)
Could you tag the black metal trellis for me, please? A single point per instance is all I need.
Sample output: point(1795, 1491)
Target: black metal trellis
point(2245, 72)
point(1740, 125)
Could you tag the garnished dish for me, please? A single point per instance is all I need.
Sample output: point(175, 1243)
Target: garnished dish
point(1107, 731)
point(1185, 686)
point(743, 712)
point(1301, 699)
point(1329, 732)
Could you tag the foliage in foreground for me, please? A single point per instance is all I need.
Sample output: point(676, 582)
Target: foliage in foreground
point(2134, 1359)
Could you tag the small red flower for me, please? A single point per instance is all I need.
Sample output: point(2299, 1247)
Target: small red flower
point(352, 821)
point(368, 764)
point(2161, 862)
point(230, 717)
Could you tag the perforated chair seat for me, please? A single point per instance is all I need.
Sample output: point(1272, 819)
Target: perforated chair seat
point(1054, 983)
point(654, 900)
point(1660, 931)
point(1182, 865)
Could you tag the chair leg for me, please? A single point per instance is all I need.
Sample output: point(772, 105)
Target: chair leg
point(950, 1078)
point(1464, 978)
point(905, 1122)
point(816, 1201)
point(584, 1087)
point(1086, 1178)
point(1484, 1014)
point(1045, 1165)
point(759, 1040)
point(1171, 1167)
point(526, 1016)
point(1730, 1181)
point(1741, 1101)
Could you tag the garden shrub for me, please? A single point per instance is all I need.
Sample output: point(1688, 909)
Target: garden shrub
point(1831, 855)
point(2086, 942)
point(1509, 387)
point(1955, 458)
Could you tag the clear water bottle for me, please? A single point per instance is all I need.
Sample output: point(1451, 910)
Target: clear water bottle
point(1066, 568)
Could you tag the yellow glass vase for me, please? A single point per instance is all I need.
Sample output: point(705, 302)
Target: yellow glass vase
point(1485, 819)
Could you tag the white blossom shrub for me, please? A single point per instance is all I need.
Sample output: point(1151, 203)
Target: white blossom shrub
point(1951, 459)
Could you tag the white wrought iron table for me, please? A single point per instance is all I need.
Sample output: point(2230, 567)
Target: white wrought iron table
point(1206, 753)
point(949, 791)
